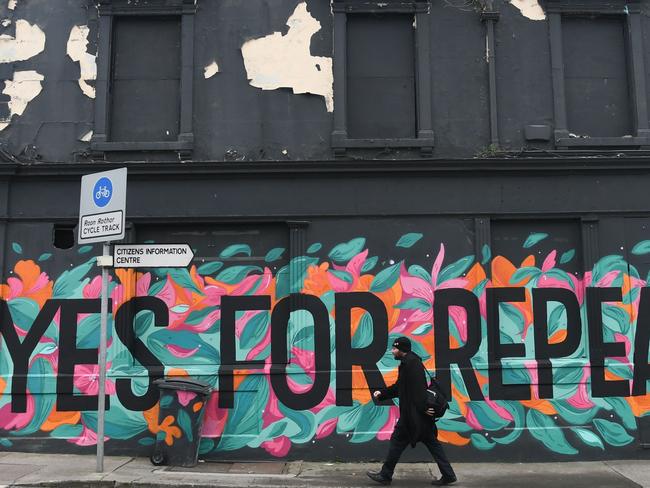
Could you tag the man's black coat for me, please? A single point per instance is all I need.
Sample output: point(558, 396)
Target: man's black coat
point(411, 387)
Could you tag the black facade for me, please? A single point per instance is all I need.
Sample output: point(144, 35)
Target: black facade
point(469, 174)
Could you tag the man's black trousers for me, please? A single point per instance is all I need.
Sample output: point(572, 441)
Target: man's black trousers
point(400, 440)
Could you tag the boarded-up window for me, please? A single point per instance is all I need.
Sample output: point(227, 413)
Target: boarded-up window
point(380, 76)
point(596, 76)
point(145, 84)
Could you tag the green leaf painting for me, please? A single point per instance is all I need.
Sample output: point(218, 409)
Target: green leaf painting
point(234, 250)
point(343, 252)
point(534, 238)
point(274, 254)
point(408, 240)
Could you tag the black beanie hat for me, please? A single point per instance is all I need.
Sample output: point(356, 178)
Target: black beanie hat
point(403, 344)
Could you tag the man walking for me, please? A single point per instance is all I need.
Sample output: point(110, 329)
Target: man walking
point(416, 423)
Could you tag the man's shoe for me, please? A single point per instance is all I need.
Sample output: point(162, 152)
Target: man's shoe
point(443, 481)
point(378, 477)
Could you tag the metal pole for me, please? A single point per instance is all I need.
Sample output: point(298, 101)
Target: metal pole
point(103, 328)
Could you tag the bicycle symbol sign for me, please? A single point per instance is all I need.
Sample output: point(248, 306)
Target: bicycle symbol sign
point(102, 192)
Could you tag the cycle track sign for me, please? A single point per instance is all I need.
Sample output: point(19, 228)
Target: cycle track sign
point(102, 206)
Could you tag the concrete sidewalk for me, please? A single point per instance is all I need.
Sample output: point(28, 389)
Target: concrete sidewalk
point(75, 471)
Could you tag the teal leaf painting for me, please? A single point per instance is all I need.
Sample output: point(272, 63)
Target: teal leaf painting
point(18, 249)
point(534, 238)
point(641, 248)
point(185, 423)
point(315, 247)
point(414, 304)
point(480, 442)
point(454, 270)
point(588, 437)
point(235, 249)
point(342, 275)
point(44, 257)
point(235, 274)
point(613, 433)
point(408, 240)
point(486, 254)
point(544, 429)
point(209, 268)
point(347, 250)
point(274, 254)
point(386, 278)
point(206, 445)
point(369, 264)
point(85, 249)
point(67, 285)
point(422, 330)
point(420, 272)
point(567, 256)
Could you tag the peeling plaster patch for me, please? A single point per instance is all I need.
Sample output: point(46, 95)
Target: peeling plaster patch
point(87, 136)
point(29, 41)
point(530, 9)
point(25, 86)
point(12, 4)
point(77, 50)
point(278, 61)
point(210, 70)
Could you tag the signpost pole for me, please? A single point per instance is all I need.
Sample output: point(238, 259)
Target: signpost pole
point(103, 328)
point(102, 210)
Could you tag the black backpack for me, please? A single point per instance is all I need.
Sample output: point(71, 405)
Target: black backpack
point(435, 398)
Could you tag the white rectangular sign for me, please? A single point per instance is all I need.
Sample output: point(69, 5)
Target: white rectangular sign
point(102, 206)
point(152, 255)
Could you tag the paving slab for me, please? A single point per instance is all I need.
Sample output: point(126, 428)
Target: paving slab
point(72, 471)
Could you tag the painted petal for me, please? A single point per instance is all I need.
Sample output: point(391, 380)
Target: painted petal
point(417, 287)
point(606, 281)
point(185, 397)
point(304, 358)
point(386, 431)
point(355, 264)
point(142, 286)
point(259, 347)
point(94, 288)
point(471, 419)
point(167, 294)
point(459, 315)
point(278, 447)
point(581, 399)
point(499, 410)
point(435, 270)
point(337, 284)
point(16, 287)
point(326, 428)
point(455, 283)
point(181, 352)
point(40, 282)
point(549, 262)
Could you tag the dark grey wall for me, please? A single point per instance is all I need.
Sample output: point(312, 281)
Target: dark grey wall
point(232, 116)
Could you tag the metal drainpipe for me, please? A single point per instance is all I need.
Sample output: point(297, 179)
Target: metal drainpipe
point(490, 16)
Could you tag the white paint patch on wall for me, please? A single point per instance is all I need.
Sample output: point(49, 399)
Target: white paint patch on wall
point(78, 51)
point(530, 9)
point(284, 61)
point(29, 41)
point(25, 86)
point(210, 70)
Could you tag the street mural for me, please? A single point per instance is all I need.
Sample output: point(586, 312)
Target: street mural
point(293, 355)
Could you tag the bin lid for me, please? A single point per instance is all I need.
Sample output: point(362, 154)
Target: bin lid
point(184, 384)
